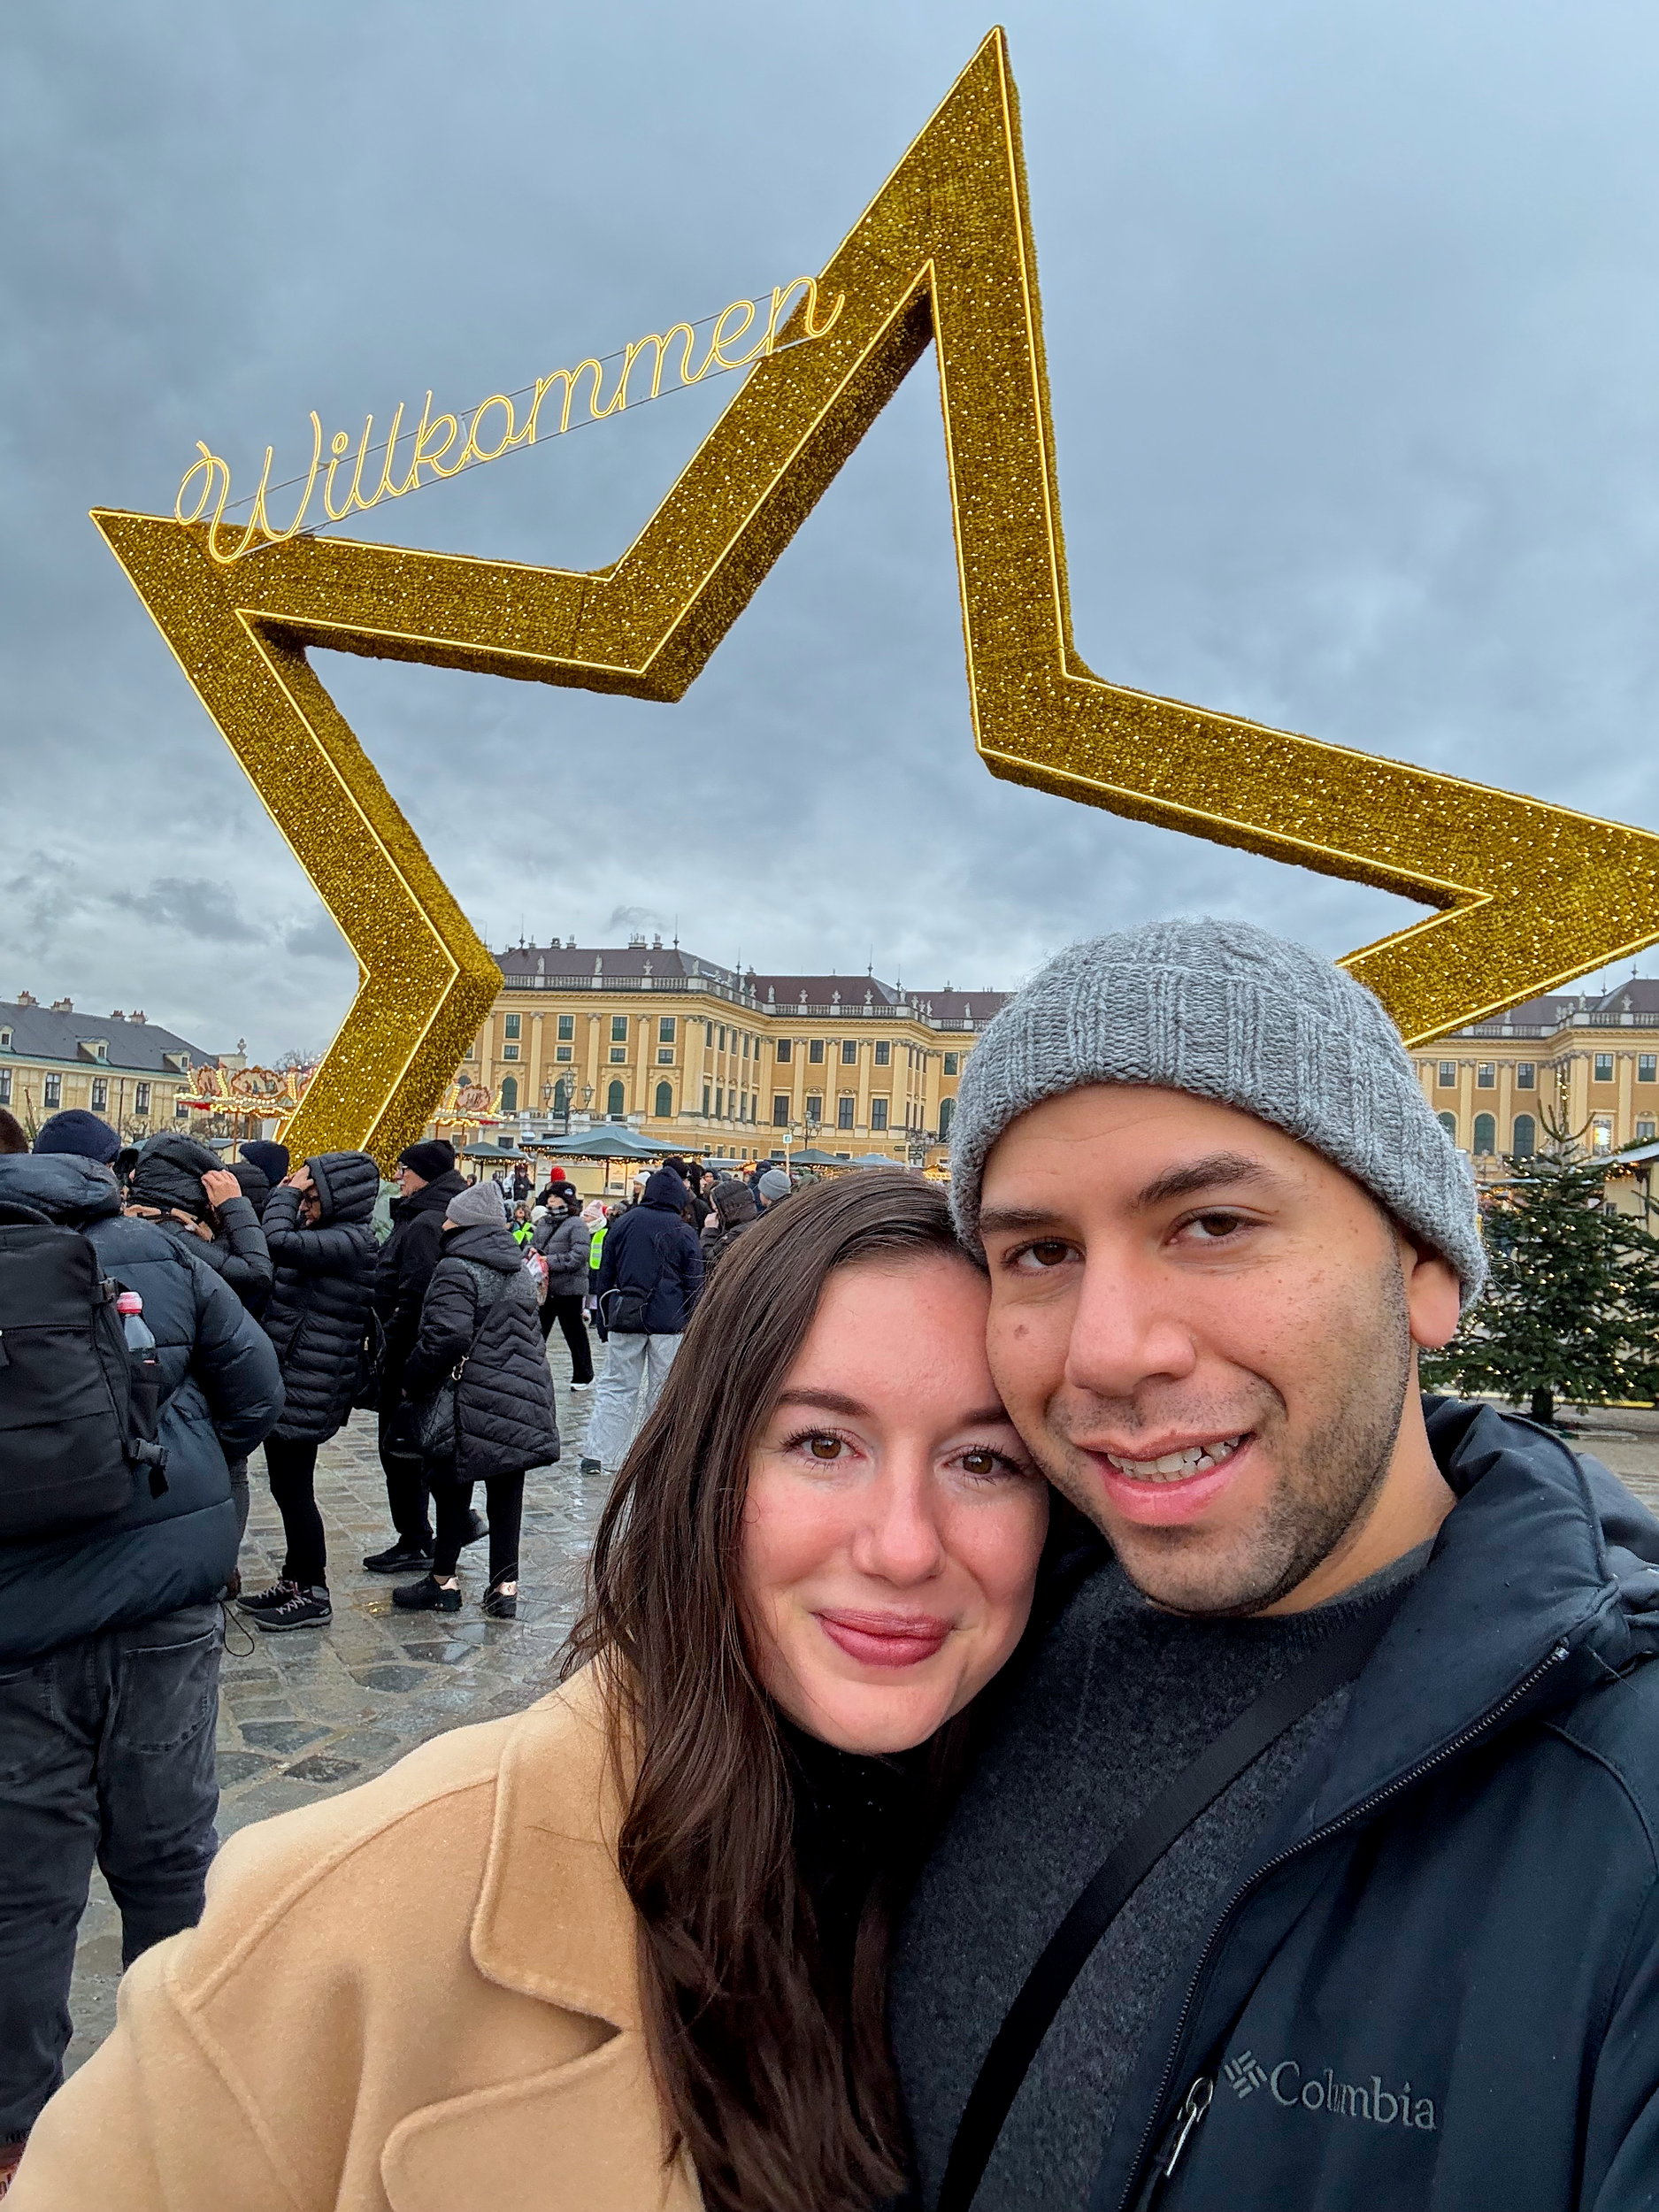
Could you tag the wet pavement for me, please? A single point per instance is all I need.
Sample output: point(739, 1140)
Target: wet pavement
point(317, 1710)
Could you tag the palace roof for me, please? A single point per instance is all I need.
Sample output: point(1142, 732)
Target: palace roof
point(129, 1041)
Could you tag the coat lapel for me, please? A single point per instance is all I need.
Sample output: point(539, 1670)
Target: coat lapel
point(553, 1923)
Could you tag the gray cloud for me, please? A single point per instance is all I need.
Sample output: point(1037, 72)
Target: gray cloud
point(1353, 340)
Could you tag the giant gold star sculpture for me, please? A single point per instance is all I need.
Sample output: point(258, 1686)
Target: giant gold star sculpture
point(1529, 894)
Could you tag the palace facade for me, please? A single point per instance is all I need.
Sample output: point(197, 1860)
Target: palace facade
point(129, 1072)
point(680, 1048)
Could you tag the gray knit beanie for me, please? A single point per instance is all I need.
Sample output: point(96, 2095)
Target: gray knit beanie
point(479, 1204)
point(1226, 1012)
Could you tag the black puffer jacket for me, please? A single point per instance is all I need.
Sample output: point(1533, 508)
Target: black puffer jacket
point(325, 1286)
point(405, 1269)
point(733, 1214)
point(650, 1269)
point(563, 1240)
point(223, 1394)
point(167, 1175)
point(504, 1405)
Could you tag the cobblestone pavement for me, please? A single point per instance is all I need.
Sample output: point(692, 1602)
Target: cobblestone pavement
point(305, 1714)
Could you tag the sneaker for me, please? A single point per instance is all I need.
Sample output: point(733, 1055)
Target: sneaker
point(590, 1467)
point(477, 1526)
point(501, 1601)
point(268, 1600)
point(428, 1595)
point(587, 1385)
point(306, 1608)
point(398, 1558)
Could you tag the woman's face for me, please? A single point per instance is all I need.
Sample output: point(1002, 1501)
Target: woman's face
point(894, 1518)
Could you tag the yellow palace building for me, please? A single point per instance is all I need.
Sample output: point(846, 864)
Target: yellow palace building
point(676, 1047)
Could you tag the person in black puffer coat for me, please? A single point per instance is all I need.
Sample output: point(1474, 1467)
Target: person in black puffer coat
point(481, 1308)
point(563, 1238)
point(733, 1214)
point(316, 1225)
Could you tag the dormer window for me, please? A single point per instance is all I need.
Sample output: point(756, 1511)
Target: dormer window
point(5, 1040)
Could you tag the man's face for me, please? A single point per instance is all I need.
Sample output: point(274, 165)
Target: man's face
point(1205, 1333)
point(409, 1182)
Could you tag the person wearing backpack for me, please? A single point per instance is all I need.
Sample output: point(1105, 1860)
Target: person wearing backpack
point(483, 1398)
point(109, 1633)
point(649, 1281)
point(316, 1225)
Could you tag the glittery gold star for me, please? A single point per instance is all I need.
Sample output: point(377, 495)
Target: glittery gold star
point(1530, 895)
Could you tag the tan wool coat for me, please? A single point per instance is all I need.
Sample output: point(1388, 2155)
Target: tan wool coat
point(418, 1996)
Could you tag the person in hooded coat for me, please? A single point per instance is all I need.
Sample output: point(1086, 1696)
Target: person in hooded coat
point(733, 1213)
point(317, 1226)
point(564, 1239)
point(480, 1315)
point(109, 1639)
point(648, 1281)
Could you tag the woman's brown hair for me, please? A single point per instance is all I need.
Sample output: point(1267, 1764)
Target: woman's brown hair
point(783, 2094)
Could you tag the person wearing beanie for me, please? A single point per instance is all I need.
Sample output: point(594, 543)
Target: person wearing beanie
point(479, 1325)
point(772, 1186)
point(427, 1182)
point(272, 1160)
point(1343, 1705)
point(76, 1131)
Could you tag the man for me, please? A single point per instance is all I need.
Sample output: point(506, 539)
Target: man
point(650, 1275)
point(426, 1181)
point(1410, 1956)
point(773, 1186)
point(110, 1635)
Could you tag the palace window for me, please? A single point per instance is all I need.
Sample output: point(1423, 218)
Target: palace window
point(567, 1028)
point(100, 1093)
point(878, 1113)
point(849, 1051)
point(785, 1052)
point(780, 1111)
point(720, 1102)
point(1600, 1134)
point(1485, 1076)
point(665, 1101)
point(814, 1107)
point(180, 1109)
point(1447, 1078)
point(1646, 1066)
point(815, 1052)
point(1525, 1075)
point(54, 1090)
point(947, 1107)
point(510, 1052)
point(723, 1036)
point(509, 1094)
point(844, 1110)
point(708, 1036)
point(664, 1056)
point(1448, 1123)
point(513, 1026)
point(1486, 1135)
point(561, 1096)
point(618, 1054)
point(1603, 1067)
point(884, 1053)
point(1644, 1132)
point(561, 1052)
point(616, 1101)
point(5, 1040)
point(5, 1086)
point(667, 1029)
point(746, 1044)
point(705, 1101)
point(140, 1098)
point(1525, 1138)
point(618, 1029)
point(953, 1062)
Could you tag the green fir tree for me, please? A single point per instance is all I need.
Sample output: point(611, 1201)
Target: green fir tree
point(1572, 1309)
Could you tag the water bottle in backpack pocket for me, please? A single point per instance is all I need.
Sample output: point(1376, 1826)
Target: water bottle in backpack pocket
point(81, 1387)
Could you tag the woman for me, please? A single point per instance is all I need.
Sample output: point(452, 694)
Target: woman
point(564, 1240)
point(478, 1325)
point(626, 1952)
point(597, 1216)
point(316, 1224)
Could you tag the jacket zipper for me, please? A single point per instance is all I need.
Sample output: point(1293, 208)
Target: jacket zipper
point(1193, 2109)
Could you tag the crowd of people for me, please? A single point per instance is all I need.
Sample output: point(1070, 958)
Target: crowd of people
point(1058, 1718)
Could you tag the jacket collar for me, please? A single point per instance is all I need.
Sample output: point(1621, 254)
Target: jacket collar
point(1542, 1553)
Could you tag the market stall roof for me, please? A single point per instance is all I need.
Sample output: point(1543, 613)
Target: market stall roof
point(813, 1158)
point(491, 1152)
point(876, 1159)
point(608, 1144)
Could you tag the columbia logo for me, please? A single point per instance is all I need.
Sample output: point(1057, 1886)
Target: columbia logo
point(1243, 2075)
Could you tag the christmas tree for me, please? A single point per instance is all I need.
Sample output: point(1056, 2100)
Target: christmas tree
point(1572, 1308)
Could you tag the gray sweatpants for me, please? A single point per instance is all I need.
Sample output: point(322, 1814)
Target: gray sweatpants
point(635, 1369)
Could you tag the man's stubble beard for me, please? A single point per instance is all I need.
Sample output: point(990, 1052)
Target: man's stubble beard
point(1326, 1480)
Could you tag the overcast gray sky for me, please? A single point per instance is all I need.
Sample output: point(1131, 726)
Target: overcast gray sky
point(1353, 324)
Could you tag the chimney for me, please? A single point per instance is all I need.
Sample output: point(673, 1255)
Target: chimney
point(137, 1014)
point(116, 1014)
point(63, 1006)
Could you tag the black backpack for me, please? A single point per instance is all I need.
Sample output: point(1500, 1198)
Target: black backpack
point(78, 1412)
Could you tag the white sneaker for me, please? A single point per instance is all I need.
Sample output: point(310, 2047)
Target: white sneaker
point(587, 1385)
